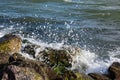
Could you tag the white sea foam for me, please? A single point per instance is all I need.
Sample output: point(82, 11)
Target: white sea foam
point(45, 44)
point(68, 0)
point(92, 63)
point(2, 33)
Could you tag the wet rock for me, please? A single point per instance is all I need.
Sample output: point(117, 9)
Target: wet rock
point(54, 57)
point(114, 71)
point(60, 61)
point(25, 41)
point(30, 49)
point(73, 51)
point(97, 76)
point(10, 44)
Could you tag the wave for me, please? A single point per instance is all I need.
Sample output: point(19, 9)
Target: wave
point(84, 60)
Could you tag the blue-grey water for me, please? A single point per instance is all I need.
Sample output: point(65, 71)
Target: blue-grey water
point(93, 25)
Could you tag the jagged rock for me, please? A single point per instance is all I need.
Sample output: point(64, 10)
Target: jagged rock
point(98, 76)
point(30, 49)
point(12, 72)
point(44, 71)
point(114, 71)
point(10, 44)
point(60, 61)
point(54, 57)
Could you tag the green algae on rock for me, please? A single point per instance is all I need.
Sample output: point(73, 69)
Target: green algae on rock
point(54, 57)
point(10, 44)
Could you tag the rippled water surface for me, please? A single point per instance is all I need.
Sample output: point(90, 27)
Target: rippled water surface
point(92, 25)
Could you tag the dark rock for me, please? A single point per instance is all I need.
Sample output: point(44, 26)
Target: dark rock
point(25, 41)
point(114, 71)
point(30, 49)
point(98, 76)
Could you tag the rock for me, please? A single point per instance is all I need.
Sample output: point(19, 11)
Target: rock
point(81, 76)
point(12, 72)
point(4, 58)
point(97, 76)
point(25, 41)
point(70, 75)
point(10, 44)
point(114, 71)
point(43, 70)
point(30, 49)
point(54, 57)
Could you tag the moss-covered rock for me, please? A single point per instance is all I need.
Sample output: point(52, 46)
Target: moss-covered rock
point(70, 75)
point(54, 57)
point(10, 44)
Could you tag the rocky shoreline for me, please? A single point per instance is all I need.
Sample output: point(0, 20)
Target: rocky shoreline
point(48, 64)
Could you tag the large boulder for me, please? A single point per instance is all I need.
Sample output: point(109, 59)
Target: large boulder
point(114, 71)
point(43, 70)
point(10, 44)
point(54, 57)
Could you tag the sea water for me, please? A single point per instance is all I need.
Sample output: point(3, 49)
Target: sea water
point(91, 25)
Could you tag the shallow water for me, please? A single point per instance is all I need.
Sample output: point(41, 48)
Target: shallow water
point(92, 25)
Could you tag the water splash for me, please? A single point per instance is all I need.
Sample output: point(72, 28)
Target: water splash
point(68, 0)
